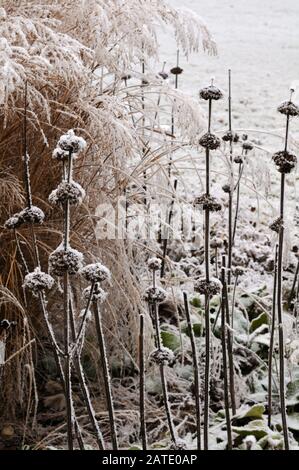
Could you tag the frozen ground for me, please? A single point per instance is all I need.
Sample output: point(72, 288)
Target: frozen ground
point(259, 41)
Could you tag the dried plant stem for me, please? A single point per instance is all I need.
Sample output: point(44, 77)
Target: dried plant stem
point(142, 383)
point(67, 362)
point(83, 385)
point(165, 240)
point(224, 358)
point(230, 196)
point(241, 167)
point(162, 374)
point(271, 347)
point(230, 355)
point(195, 369)
point(106, 373)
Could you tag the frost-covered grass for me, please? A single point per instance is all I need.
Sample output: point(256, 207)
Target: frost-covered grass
point(194, 321)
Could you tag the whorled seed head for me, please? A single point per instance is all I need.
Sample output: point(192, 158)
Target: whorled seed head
point(216, 243)
point(226, 188)
point(176, 71)
point(208, 202)
point(247, 145)
point(210, 288)
point(276, 225)
point(38, 281)
point(211, 92)
point(67, 191)
point(13, 222)
point(288, 108)
point(238, 271)
point(32, 215)
point(61, 155)
point(95, 272)
point(230, 136)
point(238, 159)
point(63, 261)
point(209, 141)
point(70, 142)
point(163, 75)
point(154, 264)
point(154, 295)
point(285, 161)
point(162, 356)
point(178, 445)
point(98, 294)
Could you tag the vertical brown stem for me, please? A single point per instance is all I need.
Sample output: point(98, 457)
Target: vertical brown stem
point(142, 384)
point(271, 347)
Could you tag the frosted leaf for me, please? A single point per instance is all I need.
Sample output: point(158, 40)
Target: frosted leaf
point(95, 272)
point(62, 261)
point(38, 281)
point(32, 215)
point(69, 142)
point(98, 294)
point(67, 191)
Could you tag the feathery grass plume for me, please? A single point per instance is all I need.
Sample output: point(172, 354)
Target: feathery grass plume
point(285, 162)
point(208, 96)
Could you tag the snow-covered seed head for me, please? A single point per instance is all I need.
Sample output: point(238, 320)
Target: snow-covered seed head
point(154, 264)
point(95, 272)
point(210, 288)
point(285, 161)
point(61, 155)
point(288, 108)
point(70, 142)
point(238, 159)
point(176, 71)
point(208, 202)
point(32, 215)
point(247, 145)
point(209, 141)
point(226, 188)
point(63, 261)
point(276, 225)
point(154, 295)
point(126, 77)
point(178, 445)
point(71, 192)
point(163, 356)
point(230, 136)
point(216, 243)
point(38, 281)
point(98, 294)
point(211, 92)
point(13, 222)
point(239, 271)
point(163, 75)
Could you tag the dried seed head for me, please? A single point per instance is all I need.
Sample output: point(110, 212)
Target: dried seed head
point(98, 294)
point(230, 136)
point(32, 215)
point(95, 272)
point(288, 108)
point(126, 77)
point(61, 155)
point(211, 92)
point(154, 295)
point(238, 159)
point(13, 222)
point(163, 75)
point(210, 288)
point(276, 225)
point(216, 243)
point(69, 142)
point(285, 161)
point(154, 264)
point(38, 281)
point(71, 192)
point(247, 145)
point(239, 271)
point(226, 188)
point(208, 203)
point(63, 261)
point(176, 71)
point(209, 141)
point(178, 445)
point(163, 356)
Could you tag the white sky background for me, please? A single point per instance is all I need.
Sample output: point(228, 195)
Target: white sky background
point(259, 41)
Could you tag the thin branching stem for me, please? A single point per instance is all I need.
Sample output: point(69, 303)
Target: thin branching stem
point(272, 335)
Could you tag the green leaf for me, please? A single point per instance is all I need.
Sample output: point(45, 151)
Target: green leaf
point(197, 328)
point(255, 411)
point(262, 319)
point(195, 302)
point(257, 428)
point(170, 340)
